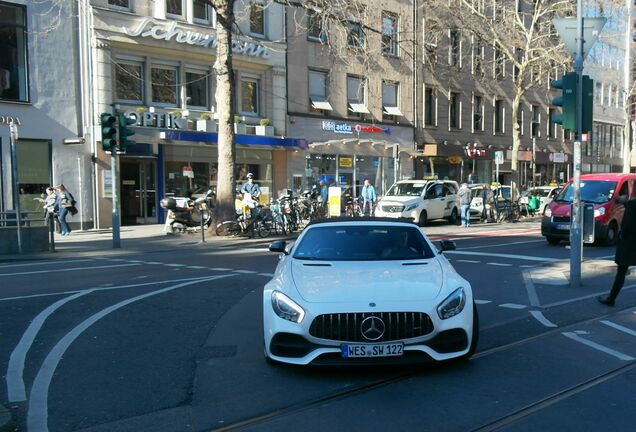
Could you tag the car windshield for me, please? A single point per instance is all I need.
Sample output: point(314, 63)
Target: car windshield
point(362, 243)
point(539, 192)
point(594, 191)
point(406, 189)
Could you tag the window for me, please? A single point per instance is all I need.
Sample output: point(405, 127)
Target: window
point(250, 96)
point(519, 58)
point(551, 124)
point(355, 35)
point(128, 81)
point(124, 4)
point(478, 113)
point(389, 34)
point(454, 110)
point(454, 48)
point(520, 120)
point(390, 101)
point(356, 95)
point(429, 107)
point(164, 84)
point(13, 54)
point(203, 12)
point(174, 7)
point(536, 121)
point(315, 27)
point(257, 19)
point(500, 64)
point(499, 116)
point(34, 173)
point(318, 92)
point(478, 56)
point(197, 88)
point(431, 40)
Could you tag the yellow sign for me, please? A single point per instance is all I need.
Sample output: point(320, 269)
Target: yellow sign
point(334, 201)
point(346, 162)
point(264, 196)
point(455, 160)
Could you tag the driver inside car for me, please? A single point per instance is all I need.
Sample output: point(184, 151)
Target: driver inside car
point(399, 249)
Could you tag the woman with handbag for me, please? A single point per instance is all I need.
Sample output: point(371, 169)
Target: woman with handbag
point(65, 202)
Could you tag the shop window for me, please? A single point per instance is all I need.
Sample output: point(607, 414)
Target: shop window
point(164, 84)
point(390, 101)
point(124, 4)
point(174, 7)
point(430, 105)
point(197, 89)
point(250, 96)
point(13, 54)
point(318, 102)
point(176, 184)
point(389, 34)
point(315, 27)
point(203, 13)
point(355, 35)
point(257, 19)
point(34, 174)
point(128, 81)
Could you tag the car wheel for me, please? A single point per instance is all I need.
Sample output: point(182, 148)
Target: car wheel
point(422, 221)
point(453, 217)
point(553, 241)
point(611, 235)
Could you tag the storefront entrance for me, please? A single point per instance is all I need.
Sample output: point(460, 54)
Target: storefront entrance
point(138, 191)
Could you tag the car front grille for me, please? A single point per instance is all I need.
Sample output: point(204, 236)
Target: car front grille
point(347, 326)
point(393, 209)
point(561, 219)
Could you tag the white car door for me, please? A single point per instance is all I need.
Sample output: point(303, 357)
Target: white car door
point(437, 203)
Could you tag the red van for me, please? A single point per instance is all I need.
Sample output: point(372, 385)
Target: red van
point(608, 193)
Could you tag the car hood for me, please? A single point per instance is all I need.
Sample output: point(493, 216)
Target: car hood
point(367, 282)
point(402, 200)
point(560, 208)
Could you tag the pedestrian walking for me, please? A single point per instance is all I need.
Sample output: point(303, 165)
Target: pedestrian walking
point(50, 209)
point(65, 204)
point(368, 197)
point(625, 251)
point(465, 197)
point(485, 212)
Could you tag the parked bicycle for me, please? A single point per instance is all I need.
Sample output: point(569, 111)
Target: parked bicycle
point(251, 220)
point(352, 207)
point(507, 211)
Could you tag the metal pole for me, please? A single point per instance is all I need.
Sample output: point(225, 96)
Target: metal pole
point(576, 246)
point(534, 162)
point(202, 227)
point(13, 132)
point(115, 194)
point(627, 68)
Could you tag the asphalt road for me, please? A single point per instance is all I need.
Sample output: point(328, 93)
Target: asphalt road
point(171, 340)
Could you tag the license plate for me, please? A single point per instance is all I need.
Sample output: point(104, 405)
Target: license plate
point(372, 350)
point(563, 227)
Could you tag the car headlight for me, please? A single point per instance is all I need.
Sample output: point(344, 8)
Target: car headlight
point(599, 212)
point(547, 212)
point(410, 207)
point(453, 304)
point(286, 308)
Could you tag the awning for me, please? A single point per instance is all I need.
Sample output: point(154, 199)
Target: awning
point(321, 105)
point(359, 108)
point(392, 110)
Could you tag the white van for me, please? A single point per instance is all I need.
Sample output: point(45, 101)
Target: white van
point(421, 200)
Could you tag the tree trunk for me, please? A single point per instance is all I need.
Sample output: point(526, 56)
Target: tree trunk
point(516, 143)
point(224, 96)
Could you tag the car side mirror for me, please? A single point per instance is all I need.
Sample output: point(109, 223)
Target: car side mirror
point(279, 246)
point(447, 245)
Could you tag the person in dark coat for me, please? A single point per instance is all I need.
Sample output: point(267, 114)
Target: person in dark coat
point(625, 251)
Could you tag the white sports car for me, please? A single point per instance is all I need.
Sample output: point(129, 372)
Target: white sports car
point(366, 291)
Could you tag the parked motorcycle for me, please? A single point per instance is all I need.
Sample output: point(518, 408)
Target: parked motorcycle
point(186, 214)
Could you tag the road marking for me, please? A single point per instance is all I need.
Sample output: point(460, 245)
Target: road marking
point(585, 297)
point(530, 289)
point(66, 269)
point(502, 244)
point(482, 301)
point(15, 370)
point(37, 415)
point(196, 267)
point(220, 269)
point(606, 350)
point(500, 264)
point(266, 274)
point(527, 265)
point(538, 315)
point(41, 263)
point(509, 256)
point(512, 306)
point(468, 261)
point(619, 327)
point(174, 265)
point(153, 263)
point(244, 271)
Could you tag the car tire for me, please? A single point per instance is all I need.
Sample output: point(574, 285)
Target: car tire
point(453, 217)
point(552, 241)
point(611, 235)
point(423, 218)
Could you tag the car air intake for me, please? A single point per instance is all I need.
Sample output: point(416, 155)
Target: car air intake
point(393, 209)
point(348, 326)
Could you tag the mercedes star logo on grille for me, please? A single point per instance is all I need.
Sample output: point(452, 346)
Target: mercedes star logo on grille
point(372, 328)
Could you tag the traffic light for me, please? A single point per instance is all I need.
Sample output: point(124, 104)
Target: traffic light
point(125, 132)
point(108, 123)
point(588, 104)
point(567, 100)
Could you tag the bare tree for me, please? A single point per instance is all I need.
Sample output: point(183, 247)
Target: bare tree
point(516, 33)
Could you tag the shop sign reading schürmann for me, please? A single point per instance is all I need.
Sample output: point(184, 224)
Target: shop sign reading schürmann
point(150, 27)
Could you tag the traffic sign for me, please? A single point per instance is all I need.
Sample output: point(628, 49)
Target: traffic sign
point(499, 157)
point(566, 27)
